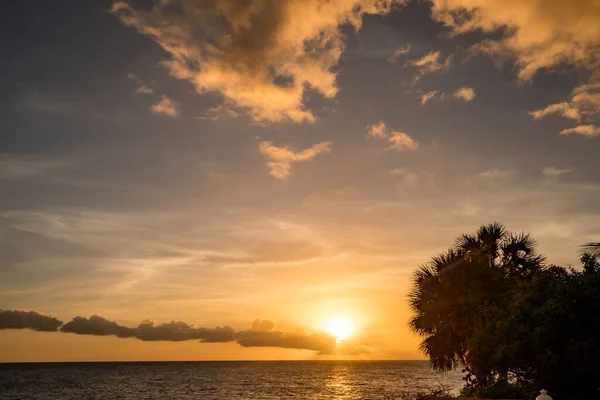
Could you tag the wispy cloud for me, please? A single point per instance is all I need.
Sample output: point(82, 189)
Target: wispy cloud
point(553, 171)
point(399, 52)
point(429, 63)
point(281, 158)
point(166, 107)
point(426, 97)
point(245, 52)
point(219, 112)
point(583, 106)
point(406, 178)
point(583, 130)
point(465, 93)
point(490, 178)
point(21, 167)
point(564, 109)
point(141, 88)
point(398, 141)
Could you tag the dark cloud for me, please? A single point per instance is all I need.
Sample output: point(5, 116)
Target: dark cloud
point(180, 331)
point(261, 325)
point(147, 331)
point(261, 333)
point(96, 325)
point(18, 319)
point(321, 342)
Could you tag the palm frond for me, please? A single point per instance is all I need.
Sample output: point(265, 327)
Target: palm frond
point(592, 248)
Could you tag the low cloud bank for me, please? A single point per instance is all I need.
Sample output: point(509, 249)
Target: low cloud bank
point(261, 333)
point(19, 319)
point(98, 326)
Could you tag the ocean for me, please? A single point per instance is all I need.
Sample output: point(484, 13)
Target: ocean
point(264, 380)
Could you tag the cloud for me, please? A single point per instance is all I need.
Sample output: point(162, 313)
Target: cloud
point(177, 331)
point(537, 34)
point(430, 63)
point(583, 105)
point(282, 158)
point(399, 52)
point(261, 333)
point(261, 56)
point(320, 342)
point(401, 141)
point(583, 130)
point(98, 326)
point(166, 107)
point(429, 96)
point(564, 109)
point(21, 167)
point(406, 178)
point(398, 141)
point(261, 325)
point(218, 112)
point(464, 93)
point(141, 87)
point(378, 131)
point(490, 179)
point(19, 319)
point(553, 171)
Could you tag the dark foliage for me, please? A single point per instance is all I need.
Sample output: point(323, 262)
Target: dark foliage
point(492, 305)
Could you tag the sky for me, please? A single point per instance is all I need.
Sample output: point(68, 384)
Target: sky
point(218, 179)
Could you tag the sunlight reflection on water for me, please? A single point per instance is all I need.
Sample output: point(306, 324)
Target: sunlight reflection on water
point(220, 380)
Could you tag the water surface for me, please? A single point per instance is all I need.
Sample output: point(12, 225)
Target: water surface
point(220, 380)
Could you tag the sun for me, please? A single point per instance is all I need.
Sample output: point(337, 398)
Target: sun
point(340, 327)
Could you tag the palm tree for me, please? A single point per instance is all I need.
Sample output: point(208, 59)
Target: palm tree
point(592, 248)
point(492, 244)
point(452, 295)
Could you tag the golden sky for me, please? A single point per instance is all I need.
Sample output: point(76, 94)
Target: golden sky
point(267, 166)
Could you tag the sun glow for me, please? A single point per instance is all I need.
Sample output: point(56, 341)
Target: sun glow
point(340, 327)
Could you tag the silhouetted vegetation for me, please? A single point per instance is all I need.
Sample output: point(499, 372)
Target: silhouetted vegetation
point(493, 306)
point(592, 248)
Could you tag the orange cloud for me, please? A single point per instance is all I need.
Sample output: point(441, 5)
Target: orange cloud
point(399, 52)
point(141, 88)
point(425, 98)
point(259, 55)
point(464, 93)
point(282, 158)
point(398, 141)
point(166, 107)
point(429, 63)
point(562, 108)
point(583, 105)
point(583, 130)
point(538, 34)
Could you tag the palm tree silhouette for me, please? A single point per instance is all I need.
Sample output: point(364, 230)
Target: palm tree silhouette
point(592, 248)
point(453, 294)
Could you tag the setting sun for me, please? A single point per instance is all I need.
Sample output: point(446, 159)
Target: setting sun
point(340, 327)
